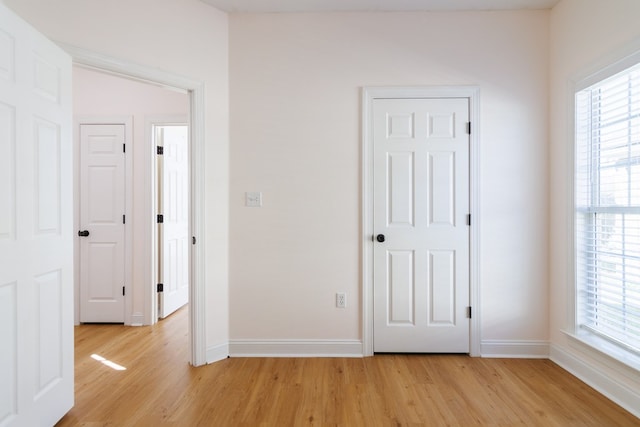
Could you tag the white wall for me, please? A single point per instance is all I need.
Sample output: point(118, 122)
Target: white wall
point(585, 35)
point(103, 95)
point(295, 125)
point(183, 37)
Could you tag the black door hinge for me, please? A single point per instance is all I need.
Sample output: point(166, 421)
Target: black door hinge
point(124, 221)
point(123, 291)
point(124, 148)
point(193, 240)
point(159, 150)
point(468, 312)
point(469, 128)
point(160, 287)
point(468, 219)
point(160, 218)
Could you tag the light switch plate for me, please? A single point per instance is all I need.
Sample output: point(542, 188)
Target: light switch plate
point(253, 199)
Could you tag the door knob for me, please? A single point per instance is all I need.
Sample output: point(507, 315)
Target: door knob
point(84, 233)
point(380, 238)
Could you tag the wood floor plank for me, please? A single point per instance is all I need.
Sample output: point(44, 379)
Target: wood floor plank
point(159, 388)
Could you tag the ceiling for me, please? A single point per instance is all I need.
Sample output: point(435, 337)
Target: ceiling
point(261, 6)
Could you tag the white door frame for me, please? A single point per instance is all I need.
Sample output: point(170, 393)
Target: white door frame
point(127, 121)
point(369, 94)
point(197, 325)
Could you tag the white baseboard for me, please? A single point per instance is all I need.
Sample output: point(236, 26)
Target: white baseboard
point(624, 396)
point(217, 353)
point(295, 348)
point(353, 348)
point(137, 319)
point(515, 349)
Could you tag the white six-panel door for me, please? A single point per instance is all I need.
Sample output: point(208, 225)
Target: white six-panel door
point(36, 220)
point(174, 188)
point(102, 207)
point(421, 203)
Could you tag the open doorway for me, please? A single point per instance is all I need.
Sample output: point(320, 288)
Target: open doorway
point(140, 111)
point(196, 95)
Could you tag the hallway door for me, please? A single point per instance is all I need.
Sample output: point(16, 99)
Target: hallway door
point(102, 223)
point(173, 198)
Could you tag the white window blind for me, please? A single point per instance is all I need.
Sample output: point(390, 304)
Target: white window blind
point(607, 215)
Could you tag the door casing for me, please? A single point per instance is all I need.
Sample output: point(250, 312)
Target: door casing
point(472, 93)
point(196, 91)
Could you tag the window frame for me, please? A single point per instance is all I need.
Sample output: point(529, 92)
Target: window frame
point(583, 335)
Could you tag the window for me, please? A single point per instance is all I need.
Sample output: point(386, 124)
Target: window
point(607, 209)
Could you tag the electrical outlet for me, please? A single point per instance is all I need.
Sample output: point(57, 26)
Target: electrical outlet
point(341, 300)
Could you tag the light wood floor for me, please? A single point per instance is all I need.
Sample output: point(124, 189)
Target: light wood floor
point(159, 388)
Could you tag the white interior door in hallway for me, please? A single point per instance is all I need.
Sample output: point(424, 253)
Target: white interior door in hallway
point(173, 204)
point(102, 223)
point(36, 227)
point(420, 212)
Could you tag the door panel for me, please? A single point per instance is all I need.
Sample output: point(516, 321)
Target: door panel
point(421, 200)
point(441, 285)
point(102, 206)
point(401, 287)
point(7, 171)
point(47, 167)
point(8, 351)
point(36, 235)
point(47, 291)
point(401, 191)
point(441, 189)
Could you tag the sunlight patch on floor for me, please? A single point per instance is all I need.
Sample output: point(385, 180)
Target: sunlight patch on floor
point(108, 363)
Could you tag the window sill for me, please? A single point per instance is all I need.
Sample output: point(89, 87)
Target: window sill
point(608, 351)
